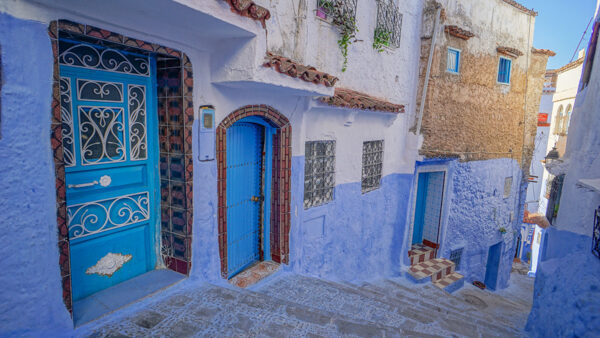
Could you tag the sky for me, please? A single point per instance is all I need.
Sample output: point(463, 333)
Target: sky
point(560, 25)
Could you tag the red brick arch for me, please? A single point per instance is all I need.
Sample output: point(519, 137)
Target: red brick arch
point(280, 184)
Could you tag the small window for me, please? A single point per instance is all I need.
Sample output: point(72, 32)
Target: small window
point(453, 63)
point(345, 8)
point(455, 257)
point(388, 28)
point(504, 70)
point(507, 186)
point(372, 164)
point(319, 173)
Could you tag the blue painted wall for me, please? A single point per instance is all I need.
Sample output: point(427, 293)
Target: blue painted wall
point(475, 209)
point(566, 301)
point(355, 237)
point(31, 294)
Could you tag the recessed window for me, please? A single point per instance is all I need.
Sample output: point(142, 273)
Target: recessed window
point(455, 257)
point(504, 70)
point(372, 164)
point(345, 8)
point(507, 186)
point(389, 25)
point(453, 63)
point(319, 173)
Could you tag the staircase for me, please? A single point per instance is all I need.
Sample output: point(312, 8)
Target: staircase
point(440, 271)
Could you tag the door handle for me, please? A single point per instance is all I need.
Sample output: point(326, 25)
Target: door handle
point(104, 181)
point(257, 198)
point(82, 185)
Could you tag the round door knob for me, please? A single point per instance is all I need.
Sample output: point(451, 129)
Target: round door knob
point(105, 180)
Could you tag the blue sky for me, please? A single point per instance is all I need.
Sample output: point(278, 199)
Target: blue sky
point(559, 26)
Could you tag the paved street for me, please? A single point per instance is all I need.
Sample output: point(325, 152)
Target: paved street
point(290, 305)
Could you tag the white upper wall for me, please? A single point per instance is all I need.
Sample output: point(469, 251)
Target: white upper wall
point(567, 83)
point(494, 23)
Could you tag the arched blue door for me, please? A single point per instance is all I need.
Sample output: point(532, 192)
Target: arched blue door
point(110, 153)
point(245, 177)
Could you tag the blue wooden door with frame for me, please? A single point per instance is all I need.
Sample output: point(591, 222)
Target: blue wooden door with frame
point(419, 209)
point(110, 147)
point(245, 177)
point(493, 265)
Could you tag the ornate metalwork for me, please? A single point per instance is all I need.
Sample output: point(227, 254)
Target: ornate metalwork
point(455, 257)
point(596, 234)
point(372, 165)
point(97, 57)
point(319, 173)
point(66, 116)
point(99, 90)
point(325, 8)
point(101, 135)
point(137, 122)
point(389, 23)
point(97, 216)
point(108, 264)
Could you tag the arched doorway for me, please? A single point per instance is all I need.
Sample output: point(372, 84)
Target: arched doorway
point(254, 168)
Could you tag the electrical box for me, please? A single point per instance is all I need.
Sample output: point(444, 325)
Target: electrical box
point(206, 131)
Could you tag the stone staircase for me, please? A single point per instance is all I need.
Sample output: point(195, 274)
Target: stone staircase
point(290, 305)
point(440, 271)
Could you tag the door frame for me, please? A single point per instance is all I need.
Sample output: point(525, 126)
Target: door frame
point(183, 138)
point(277, 204)
point(425, 168)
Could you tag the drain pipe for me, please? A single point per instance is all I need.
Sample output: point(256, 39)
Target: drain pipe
point(429, 61)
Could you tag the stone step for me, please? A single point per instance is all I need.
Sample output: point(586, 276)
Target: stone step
point(451, 282)
point(433, 269)
point(420, 253)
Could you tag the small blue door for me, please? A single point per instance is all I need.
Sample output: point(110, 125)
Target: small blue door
point(428, 209)
point(492, 266)
point(109, 139)
point(245, 177)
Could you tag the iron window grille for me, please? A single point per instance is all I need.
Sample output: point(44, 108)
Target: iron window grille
point(325, 8)
point(596, 234)
point(455, 257)
point(319, 173)
point(372, 165)
point(389, 24)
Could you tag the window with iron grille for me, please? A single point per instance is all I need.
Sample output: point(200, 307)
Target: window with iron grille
point(455, 256)
point(325, 8)
point(453, 62)
point(319, 173)
point(372, 164)
point(504, 70)
point(389, 24)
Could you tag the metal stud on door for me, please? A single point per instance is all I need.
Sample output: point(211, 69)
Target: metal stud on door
point(109, 127)
point(244, 194)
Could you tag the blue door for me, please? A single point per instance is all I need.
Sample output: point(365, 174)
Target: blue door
point(109, 139)
point(245, 177)
point(428, 209)
point(492, 266)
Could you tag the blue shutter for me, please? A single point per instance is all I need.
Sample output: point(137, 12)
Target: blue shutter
point(504, 70)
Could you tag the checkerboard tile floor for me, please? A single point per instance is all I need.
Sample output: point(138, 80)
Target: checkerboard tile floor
point(423, 265)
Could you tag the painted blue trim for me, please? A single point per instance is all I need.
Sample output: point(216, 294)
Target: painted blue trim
point(504, 68)
point(455, 53)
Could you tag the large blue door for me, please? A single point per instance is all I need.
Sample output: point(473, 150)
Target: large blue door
point(245, 172)
point(109, 141)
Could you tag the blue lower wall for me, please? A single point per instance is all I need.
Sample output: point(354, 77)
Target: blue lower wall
point(31, 295)
point(566, 301)
point(475, 209)
point(355, 237)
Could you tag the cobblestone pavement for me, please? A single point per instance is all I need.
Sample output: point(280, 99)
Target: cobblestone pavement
point(289, 305)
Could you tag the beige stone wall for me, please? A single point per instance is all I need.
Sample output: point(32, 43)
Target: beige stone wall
point(471, 116)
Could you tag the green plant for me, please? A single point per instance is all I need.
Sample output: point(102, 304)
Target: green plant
point(502, 230)
point(346, 23)
point(381, 38)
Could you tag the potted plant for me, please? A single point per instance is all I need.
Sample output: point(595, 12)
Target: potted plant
point(381, 39)
point(324, 8)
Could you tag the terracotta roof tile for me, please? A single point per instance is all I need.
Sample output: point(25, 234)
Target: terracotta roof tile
point(352, 99)
point(249, 9)
point(513, 52)
point(521, 7)
point(458, 32)
point(570, 65)
point(543, 51)
point(291, 68)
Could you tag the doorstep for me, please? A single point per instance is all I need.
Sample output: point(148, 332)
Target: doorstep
point(108, 300)
point(254, 274)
